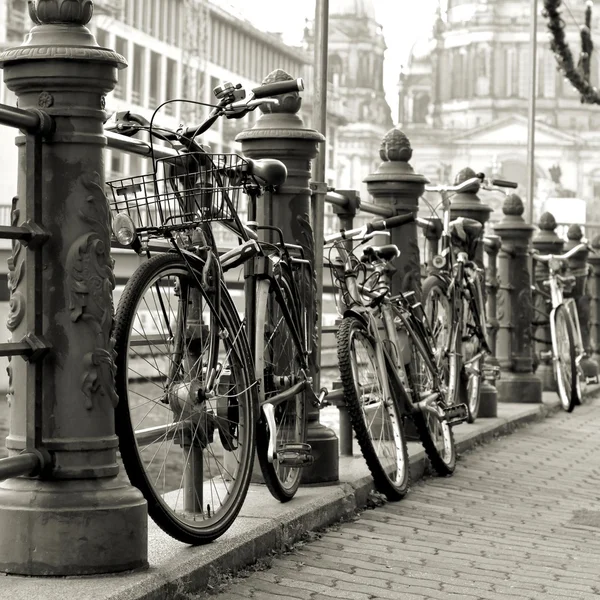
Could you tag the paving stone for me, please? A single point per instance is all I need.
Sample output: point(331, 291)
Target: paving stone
point(515, 521)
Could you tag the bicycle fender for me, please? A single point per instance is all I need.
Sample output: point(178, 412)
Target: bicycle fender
point(357, 313)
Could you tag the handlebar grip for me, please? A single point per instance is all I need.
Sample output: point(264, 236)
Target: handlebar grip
point(504, 183)
point(280, 87)
point(390, 223)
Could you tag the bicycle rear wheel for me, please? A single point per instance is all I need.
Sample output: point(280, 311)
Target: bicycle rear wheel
point(438, 309)
point(436, 434)
point(278, 369)
point(376, 419)
point(186, 444)
point(565, 364)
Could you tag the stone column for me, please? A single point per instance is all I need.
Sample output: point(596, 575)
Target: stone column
point(546, 241)
point(514, 348)
point(469, 206)
point(594, 289)
point(396, 185)
point(280, 133)
point(489, 408)
point(578, 266)
point(76, 517)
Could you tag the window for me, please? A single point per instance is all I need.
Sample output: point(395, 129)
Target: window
point(171, 91)
point(137, 68)
point(155, 79)
point(123, 74)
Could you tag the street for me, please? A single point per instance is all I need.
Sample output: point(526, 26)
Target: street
point(519, 518)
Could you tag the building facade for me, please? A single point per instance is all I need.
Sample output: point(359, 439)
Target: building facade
point(463, 101)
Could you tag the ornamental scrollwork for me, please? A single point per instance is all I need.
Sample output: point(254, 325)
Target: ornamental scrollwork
point(16, 272)
point(91, 282)
point(76, 12)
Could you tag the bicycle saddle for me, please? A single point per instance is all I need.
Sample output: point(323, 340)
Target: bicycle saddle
point(373, 253)
point(270, 171)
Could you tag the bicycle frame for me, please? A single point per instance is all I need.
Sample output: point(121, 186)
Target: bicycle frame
point(391, 342)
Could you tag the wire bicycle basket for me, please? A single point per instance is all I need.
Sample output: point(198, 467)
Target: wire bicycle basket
point(182, 191)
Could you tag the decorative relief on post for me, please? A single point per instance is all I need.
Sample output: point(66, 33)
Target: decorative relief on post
point(395, 146)
point(90, 279)
point(76, 12)
point(16, 272)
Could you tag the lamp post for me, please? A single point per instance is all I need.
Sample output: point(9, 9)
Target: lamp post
point(531, 113)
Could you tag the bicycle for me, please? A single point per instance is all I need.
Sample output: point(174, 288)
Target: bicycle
point(454, 301)
point(213, 378)
point(567, 349)
point(387, 364)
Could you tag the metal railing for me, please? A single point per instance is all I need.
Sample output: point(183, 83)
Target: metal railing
point(34, 124)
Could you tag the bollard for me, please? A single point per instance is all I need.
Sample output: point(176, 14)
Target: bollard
point(469, 205)
point(489, 409)
point(546, 241)
point(514, 349)
point(280, 133)
point(397, 186)
point(578, 267)
point(346, 216)
point(76, 517)
point(594, 287)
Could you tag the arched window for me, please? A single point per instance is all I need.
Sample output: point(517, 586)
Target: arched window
point(420, 107)
point(336, 70)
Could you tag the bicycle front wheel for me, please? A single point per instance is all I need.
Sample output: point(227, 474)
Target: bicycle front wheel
point(375, 415)
point(278, 369)
point(565, 363)
point(186, 411)
point(438, 309)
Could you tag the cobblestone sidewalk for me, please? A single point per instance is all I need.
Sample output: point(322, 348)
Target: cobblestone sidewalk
point(519, 519)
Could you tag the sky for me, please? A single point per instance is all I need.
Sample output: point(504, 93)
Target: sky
point(403, 22)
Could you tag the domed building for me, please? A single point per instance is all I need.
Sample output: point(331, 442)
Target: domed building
point(463, 101)
point(355, 71)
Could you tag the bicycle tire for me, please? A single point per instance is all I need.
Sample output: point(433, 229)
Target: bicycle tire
point(447, 360)
point(565, 364)
point(276, 358)
point(384, 424)
point(216, 432)
point(436, 435)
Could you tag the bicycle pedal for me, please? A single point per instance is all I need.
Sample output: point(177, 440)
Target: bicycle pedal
point(546, 354)
point(491, 372)
point(593, 379)
point(295, 455)
point(454, 415)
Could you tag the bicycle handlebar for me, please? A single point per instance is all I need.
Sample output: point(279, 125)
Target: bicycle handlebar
point(367, 230)
point(278, 88)
point(548, 257)
point(504, 183)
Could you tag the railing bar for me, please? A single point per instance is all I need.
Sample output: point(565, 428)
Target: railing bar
point(373, 209)
point(336, 199)
point(14, 349)
point(19, 118)
point(22, 464)
point(9, 232)
point(135, 146)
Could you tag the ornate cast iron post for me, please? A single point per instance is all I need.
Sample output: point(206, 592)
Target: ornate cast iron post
point(545, 242)
point(489, 409)
point(396, 185)
point(280, 133)
point(578, 266)
point(514, 348)
point(469, 205)
point(594, 261)
point(76, 517)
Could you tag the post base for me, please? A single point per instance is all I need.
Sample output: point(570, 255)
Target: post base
point(519, 387)
point(488, 401)
point(546, 374)
point(590, 368)
point(76, 527)
point(325, 449)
